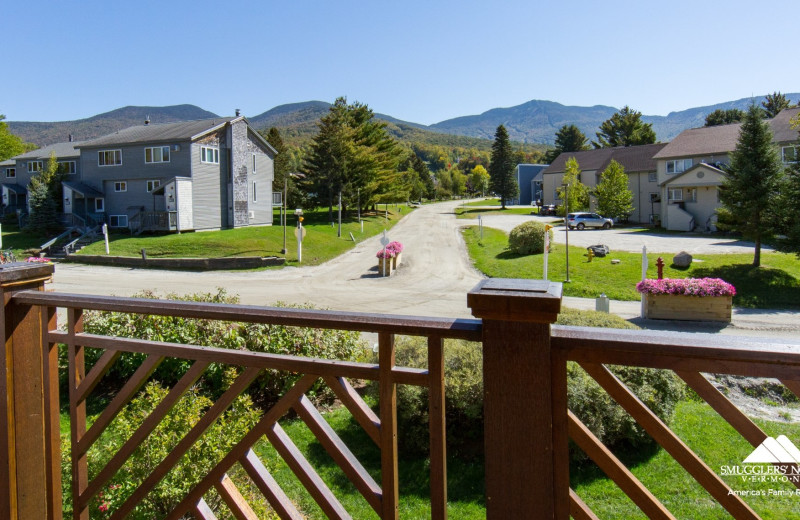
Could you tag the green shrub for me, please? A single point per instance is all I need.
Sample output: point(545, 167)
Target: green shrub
point(528, 238)
point(268, 387)
point(660, 390)
point(220, 437)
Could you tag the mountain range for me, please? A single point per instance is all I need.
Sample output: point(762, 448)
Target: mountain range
point(534, 122)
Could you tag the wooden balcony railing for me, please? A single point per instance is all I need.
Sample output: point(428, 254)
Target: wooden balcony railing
point(527, 422)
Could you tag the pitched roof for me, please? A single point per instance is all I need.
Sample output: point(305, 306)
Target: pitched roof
point(781, 126)
point(632, 158)
point(157, 133)
point(62, 151)
point(86, 191)
point(722, 139)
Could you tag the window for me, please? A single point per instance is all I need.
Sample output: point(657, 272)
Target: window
point(109, 158)
point(11, 173)
point(120, 186)
point(676, 194)
point(254, 163)
point(693, 194)
point(209, 155)
point(277, 198)
point(67, 167)
point(790, 154)
point(151, 185)
point(156, 154)
point(255, 193)
point(652, 177)
point(678, 166)
point(99, 205)
point(118, 220)
point(34, 166)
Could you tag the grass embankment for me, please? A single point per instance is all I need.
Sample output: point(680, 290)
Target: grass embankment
point(467, 212)
point(20, 241)
point(774, 285)
point(320, 243)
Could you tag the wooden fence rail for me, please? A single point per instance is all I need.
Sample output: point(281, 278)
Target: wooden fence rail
point(527, 421)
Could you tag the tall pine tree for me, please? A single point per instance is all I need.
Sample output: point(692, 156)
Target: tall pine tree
point(750, 189)
point(44, 195)
point(774, 103)
point(625, 128)
point(501, 167)
point(569, 138)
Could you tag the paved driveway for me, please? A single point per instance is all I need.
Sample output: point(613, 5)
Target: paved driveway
point(624, 239)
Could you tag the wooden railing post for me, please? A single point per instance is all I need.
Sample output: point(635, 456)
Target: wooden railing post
point(522, 478)
point(29, 488)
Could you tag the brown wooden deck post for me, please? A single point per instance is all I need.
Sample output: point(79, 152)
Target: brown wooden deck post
point(27, 438)
point(522, 480)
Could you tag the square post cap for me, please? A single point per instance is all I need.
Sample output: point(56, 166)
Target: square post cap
point(507, 299)
point(19, 273)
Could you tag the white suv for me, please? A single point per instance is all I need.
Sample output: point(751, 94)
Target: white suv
point(584, 220)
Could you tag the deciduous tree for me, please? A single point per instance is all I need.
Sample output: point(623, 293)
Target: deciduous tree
point(750, 188)
point(578, 193)
point(501, 167)
point(10, 144)
point(614, 199)
point(479, 179)
point(625, 128)
point(569, 138)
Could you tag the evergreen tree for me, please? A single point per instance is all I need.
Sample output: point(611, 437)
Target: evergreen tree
point(352, 154)
point(501, 167)
point(44, 195)
point(774, 103)
point(788, 204)
point(569, 138)
point(614, 199)
point(625, 128)
point(724, 117)
point(281, 162)
point(10, 144)
point(749, 191)
point(578, 192)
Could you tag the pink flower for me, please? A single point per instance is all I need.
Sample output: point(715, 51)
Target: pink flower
point(687, 287)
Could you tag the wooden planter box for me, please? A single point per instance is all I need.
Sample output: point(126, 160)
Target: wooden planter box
point(385, 266)
point(690, 308)
point(396, 260)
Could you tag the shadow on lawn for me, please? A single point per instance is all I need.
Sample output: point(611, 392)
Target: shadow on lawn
point(759, 287)
point(464, 477)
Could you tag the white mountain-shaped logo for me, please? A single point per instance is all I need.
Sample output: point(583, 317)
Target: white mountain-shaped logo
point(775, 451)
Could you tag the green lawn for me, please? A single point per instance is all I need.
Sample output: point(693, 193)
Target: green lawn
point(714, 441)
point(775, 285)
point(470, 212)
point(20, 241)
point(484, 202)
point(320, 243)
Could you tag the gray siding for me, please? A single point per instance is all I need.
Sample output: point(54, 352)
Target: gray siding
point(209, 191)
point(133, 165)
point(129, 202)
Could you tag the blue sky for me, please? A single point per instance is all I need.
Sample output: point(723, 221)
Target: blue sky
point(421, 61)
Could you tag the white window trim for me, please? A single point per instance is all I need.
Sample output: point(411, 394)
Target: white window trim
point(683, 164)
point(99, 205)
point(152, 184)
point(119, 219)
point(254, 163)
point(215, 154)
point(120, 186)
point(652, 177)
point(692, 195)
point(11, 173)
point(34, 170)
point(115, 152)
point(673, 191)
point(796, 154)
point(164, 151)
point(74, 166)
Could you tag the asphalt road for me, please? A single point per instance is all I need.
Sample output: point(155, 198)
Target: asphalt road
point(433, 279)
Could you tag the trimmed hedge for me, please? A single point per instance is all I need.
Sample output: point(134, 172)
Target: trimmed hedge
point(528, 238)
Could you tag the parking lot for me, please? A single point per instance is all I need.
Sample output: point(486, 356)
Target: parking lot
point(627, 238)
